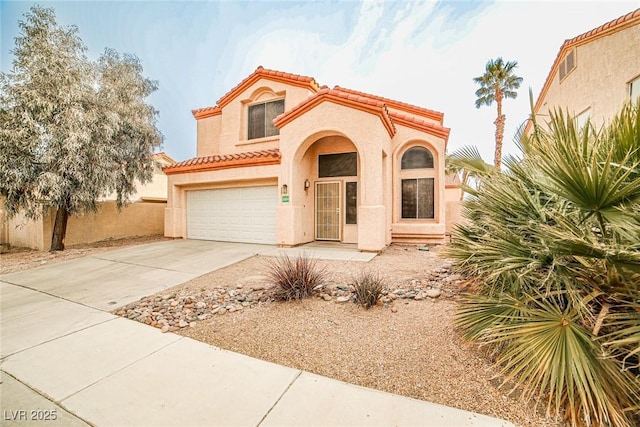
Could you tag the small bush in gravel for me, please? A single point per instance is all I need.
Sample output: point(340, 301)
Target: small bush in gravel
point(296, 277)
point(368, 288)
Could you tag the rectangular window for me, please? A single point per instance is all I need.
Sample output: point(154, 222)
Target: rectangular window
point(571, 61)
point(634, 89)
point(417, 198)
point(567, 65)
point(261, 119)
point(561, 73)
point(332, 165)
point(351, 202)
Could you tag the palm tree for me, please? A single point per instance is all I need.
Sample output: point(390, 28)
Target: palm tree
point(497, 82)
point(554, 244)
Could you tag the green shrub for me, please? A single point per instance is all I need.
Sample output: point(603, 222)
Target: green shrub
point(369, 287)
point(295, 278)
point(555, 242)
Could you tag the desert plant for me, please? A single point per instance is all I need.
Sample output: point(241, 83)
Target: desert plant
point(369, 287)
point(554, 241)
point(295, 278)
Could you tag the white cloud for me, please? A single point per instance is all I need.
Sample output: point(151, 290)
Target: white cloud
point(382, 55)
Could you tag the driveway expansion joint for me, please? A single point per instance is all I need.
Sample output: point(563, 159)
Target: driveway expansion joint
point(279, 398)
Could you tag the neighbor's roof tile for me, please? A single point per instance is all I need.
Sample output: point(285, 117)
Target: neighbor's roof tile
point(625, 21)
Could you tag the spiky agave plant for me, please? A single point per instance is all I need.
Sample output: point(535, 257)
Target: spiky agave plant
point(555, 243)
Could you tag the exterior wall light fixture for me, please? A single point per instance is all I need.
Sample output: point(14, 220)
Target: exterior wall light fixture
point(284, 190)
point(307, 184)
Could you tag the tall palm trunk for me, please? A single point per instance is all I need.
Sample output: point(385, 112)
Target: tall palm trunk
point(497, 159)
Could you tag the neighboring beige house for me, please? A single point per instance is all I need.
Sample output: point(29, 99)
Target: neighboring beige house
point(595, 73)
point(145, 216)
point(281, 160)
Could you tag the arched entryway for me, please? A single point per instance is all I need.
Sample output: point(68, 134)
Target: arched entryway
point(329, 166)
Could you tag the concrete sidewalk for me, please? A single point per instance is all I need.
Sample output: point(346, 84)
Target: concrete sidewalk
point(64, 356)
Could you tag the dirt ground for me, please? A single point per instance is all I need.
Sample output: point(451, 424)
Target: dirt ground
point(407, 346)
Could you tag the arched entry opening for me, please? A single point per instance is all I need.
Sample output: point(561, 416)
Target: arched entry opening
point(329, 167)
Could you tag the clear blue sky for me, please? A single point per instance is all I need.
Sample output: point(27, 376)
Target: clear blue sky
point(424, 53)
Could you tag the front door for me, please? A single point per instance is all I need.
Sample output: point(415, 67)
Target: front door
point(328, 211)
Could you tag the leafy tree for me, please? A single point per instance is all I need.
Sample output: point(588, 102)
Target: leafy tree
point(71, 130)
point(554, 243)
point(497, 82)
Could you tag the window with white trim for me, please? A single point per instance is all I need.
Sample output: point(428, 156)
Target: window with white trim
point(260, 120)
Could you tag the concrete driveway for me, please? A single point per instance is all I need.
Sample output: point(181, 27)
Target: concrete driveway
point(64, 355)
point(112, 279)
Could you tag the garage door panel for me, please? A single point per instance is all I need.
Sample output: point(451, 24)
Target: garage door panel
point(246, 214)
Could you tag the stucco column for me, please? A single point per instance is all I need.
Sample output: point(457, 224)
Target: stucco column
point(286, 210)
point(371, 212)
point(173, 213)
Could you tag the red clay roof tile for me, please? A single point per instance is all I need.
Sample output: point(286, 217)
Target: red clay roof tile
point(391, 103)
point(203, 113)
point(355, 101)
point(225, 161)
point(295, 79)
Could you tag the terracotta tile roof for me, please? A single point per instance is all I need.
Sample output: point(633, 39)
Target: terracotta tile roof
point(203, 113)
point(611, 27)
point(363, 103)
point(279, 76)
point(225, 161)
point(420, 124)
point(397, 105)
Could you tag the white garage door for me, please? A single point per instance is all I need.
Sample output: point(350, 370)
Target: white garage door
point(246, 215)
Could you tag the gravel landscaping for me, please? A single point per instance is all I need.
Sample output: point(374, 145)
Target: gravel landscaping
point(406, 344)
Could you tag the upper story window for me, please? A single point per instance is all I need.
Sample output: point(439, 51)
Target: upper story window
point(417, 158)
point(567, 65)
point(261, 118)
point(634, 89)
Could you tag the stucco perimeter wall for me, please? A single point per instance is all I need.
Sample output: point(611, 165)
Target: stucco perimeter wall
point(175, 218)
point(227, 133)
point(4, 225)
point(137, 219)
point(600, 80)
point(27, 233)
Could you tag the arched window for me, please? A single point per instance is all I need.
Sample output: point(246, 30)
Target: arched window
point(417, 184)
point(417, 158)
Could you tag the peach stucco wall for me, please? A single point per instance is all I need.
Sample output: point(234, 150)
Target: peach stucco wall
point(227, 133)
point(137, 219)
point(326, 128)
point(600, 80)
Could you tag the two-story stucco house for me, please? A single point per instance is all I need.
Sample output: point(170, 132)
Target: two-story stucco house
point(281, 160)
point(595, 73)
